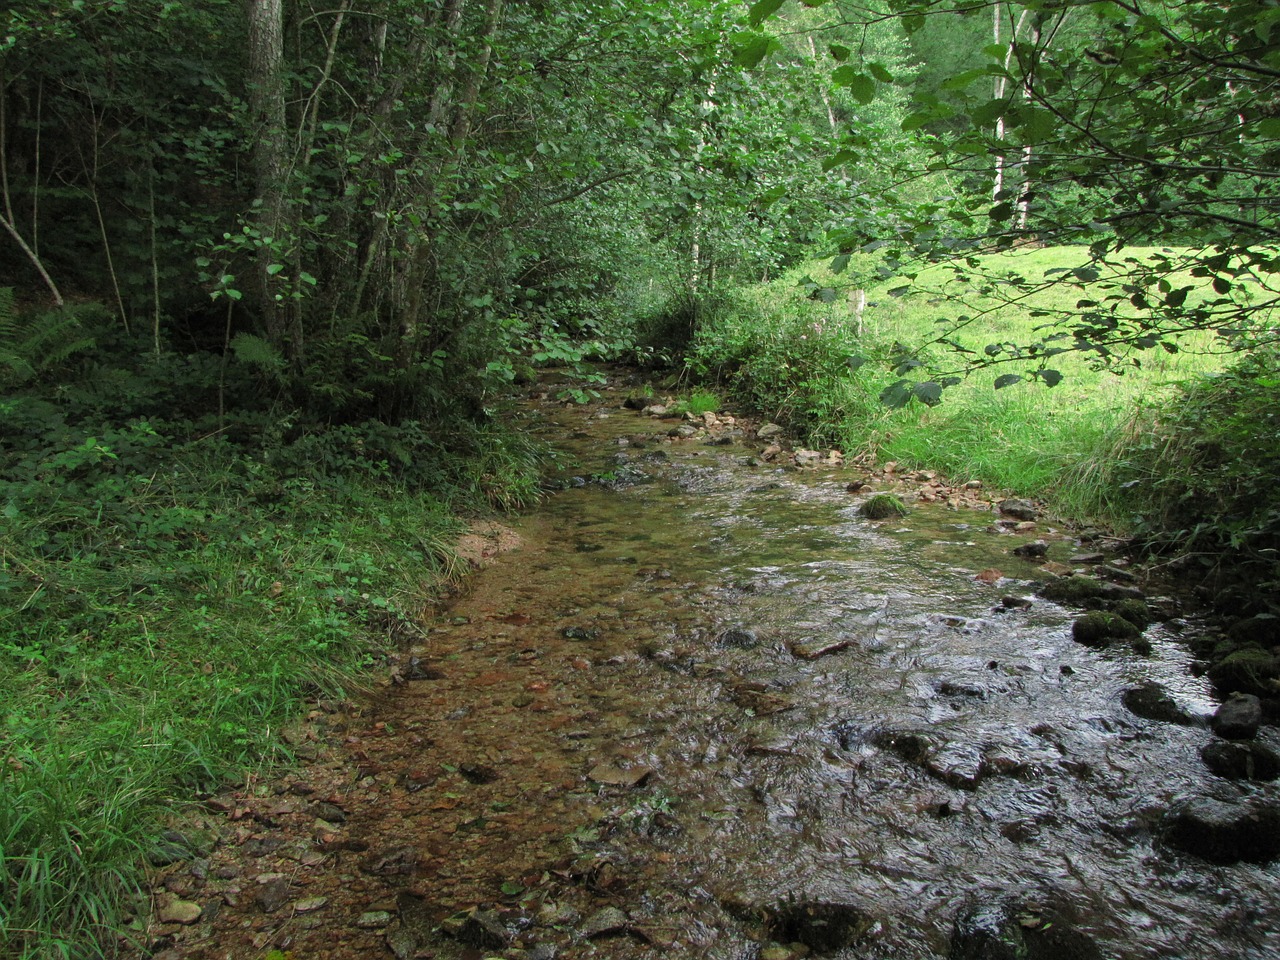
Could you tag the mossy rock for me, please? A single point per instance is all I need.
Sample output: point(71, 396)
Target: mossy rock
point(1135, 611)
point(1077, 590)
point(883, 506)
point(1247, 671)
point(1262, 630)
point(1098, 628)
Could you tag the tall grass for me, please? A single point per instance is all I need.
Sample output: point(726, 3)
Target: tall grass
point(165, 609)
point(789, 355)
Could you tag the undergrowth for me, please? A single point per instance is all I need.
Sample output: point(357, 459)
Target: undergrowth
point(1179, 447)
point(173, 589)
point(1197, 476)
point(822, 364)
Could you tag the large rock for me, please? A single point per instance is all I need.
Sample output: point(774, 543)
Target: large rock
point(1264, 631)
point(1006, 931)
point(1223, 831)
point(1247, 671)
point(1241, 761)
point(1080, 591)
point(1097, 628)
point(1238, 718)
point(1151, 702)
point(768, 431)
point(1019, 509)
point(823, 927)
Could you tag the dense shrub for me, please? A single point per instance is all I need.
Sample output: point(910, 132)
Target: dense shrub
point(1200, 475)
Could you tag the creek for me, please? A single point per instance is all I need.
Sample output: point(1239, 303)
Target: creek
point(706, 709)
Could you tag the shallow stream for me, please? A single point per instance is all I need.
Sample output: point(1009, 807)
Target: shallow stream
point(706, 709)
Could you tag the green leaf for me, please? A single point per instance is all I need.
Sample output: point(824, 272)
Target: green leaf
point(1266, 129)
point(1008, 380)
point(1221, 285)
point(1051, 378)
point(1176, 298)
point(928, 393)
point(762, 10)
point(751, 48)
point(861, 86)
point(840, 52)
point(962, 80)
point(880, 73)
point(856, 362)
point(839, 160)
point(1038, 125)
point(274, 268)
point(840, 263)
point(896, 395)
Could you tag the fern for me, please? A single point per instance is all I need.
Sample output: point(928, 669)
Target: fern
point(31, 345)
point(257, 352)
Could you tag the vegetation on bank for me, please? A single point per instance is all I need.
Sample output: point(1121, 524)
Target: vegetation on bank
point(297, 257)
point(175, 587)
point(1175, 447)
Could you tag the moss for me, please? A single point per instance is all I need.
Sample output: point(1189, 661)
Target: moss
point(1135, 611)
point(1097, 628)
point(1247, 671)
point(882, 506)
point(1262, 630)
point(1078, 590)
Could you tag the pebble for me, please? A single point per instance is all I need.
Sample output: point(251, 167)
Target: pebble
point(181, 911)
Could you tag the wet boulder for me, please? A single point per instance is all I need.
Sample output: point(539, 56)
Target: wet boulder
point(883, 506)
point(1007, 931)
point(1238, 718)
point(478, 928)
point(738, 638)
point(1152, 702)
point(1079, 591)
point(1237, 760)
point(1261, 630)
point(768, 431)
point(955, 764)
point(1223, 831)
point(1019, 509)
point(1248, 671)
point(822, 926)
point(1134, 610)
point(1097, 628)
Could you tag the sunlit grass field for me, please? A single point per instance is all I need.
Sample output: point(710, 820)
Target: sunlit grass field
point(787, 351)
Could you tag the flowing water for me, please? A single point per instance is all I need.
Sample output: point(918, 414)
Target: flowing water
point(705, 688)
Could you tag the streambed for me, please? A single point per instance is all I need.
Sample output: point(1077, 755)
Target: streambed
point(706, 709)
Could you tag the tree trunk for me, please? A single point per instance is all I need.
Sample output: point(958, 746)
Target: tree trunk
point(1000, 86)
point(270, 170)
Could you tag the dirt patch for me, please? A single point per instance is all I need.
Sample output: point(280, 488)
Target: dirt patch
point(484, 541)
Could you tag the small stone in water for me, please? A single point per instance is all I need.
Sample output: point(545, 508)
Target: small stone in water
point(373, 919)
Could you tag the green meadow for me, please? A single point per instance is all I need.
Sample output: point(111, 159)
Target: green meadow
point(788, 352)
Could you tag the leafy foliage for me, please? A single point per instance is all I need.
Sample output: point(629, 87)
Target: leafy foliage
point(1198, 477)
point(34, 344)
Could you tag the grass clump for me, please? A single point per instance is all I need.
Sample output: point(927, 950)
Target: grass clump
point(1197, 476)
point(698, 402)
